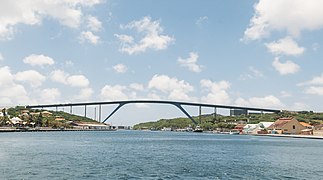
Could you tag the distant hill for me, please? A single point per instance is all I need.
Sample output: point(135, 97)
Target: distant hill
point(208, 122)
point(16, 111)
point(41, 118)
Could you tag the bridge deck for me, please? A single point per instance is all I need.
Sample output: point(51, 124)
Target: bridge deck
point(175, 103)
point(153, 102)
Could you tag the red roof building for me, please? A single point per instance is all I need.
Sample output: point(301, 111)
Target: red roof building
point(286, 126)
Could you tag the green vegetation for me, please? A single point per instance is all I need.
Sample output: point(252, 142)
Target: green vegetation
point(36, 117)
point(208, 122)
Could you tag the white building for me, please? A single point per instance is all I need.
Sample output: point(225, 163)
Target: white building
point(255, 128)
point(16, 120)
point(249, 129)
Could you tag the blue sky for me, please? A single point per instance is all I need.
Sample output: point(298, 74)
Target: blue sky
point(246, 53)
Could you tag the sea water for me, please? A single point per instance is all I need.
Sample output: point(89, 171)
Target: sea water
point(156, 155)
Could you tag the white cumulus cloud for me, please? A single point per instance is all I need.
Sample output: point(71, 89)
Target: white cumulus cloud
point(318, 80)
point(252, 74)
point(38, 60)
point(190, 62)
point(88, 36)
point(94, 24)
point(269, 101)
point(288, 67)
point(285, 46)
point(120, 68)
point(59, 76)
point(72, 80)
point(151, 33)
point(33, 77)
point(84, 94)
point(32, 12)
point(50, 95)
point(217, 92)
point(77, 81)
point(291, 16)
point(116, 92)
point(10, 92)
point(174, 88)
point(315, 90)
point(137, 86)
point(313, 86)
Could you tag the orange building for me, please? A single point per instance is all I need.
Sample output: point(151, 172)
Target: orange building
point(286, 126)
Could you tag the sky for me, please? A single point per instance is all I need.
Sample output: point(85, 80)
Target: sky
point(247, 53)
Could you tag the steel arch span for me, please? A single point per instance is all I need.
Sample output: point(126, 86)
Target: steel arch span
point(177, 104)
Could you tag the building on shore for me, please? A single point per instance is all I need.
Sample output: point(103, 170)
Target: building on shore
point(239, 127)
point(250, 129)
point(309, 129)
point(16, 120)
point(260, 128)
point(59, 118)
point(46, 113)
point(89, 125)
point(286, 126)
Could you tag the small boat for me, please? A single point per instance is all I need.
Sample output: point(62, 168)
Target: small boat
point(198, 129)
point(234, 132)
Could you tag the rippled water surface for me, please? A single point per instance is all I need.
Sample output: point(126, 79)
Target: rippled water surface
point(157, 155)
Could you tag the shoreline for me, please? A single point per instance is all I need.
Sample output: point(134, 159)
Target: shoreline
point(4, 130)
point(50, 130)
point(289, 136)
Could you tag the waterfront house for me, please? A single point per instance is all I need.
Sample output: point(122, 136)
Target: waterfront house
point(46, 114)
point(308, 126)
point(89, 125)
point(260, 128)
point(239, 127)
point(34, 114)
point(250, 129)
point(309, 129)
point(286, 126)
point(59, 118)
point(263, 126)
point(16, 120)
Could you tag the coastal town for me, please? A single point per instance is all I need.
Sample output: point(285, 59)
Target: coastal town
point(22, 119)
point(287, 123)
point(300, 123)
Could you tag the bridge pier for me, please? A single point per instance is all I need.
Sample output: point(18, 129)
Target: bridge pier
point(214, 115)
point(178, 105)
point(200, 114)
point(85, 111)
point(100, 113)
point(115, 110)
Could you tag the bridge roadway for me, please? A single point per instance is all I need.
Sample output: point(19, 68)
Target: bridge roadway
point(178, 104)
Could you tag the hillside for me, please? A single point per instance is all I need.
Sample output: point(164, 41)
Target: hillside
point(52, 119)
point(209, 123)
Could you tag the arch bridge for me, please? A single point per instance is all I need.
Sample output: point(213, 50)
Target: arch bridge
point(178, 104)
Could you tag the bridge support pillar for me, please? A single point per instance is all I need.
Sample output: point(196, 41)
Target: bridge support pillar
point(115, 110)
point(95, 114)
point(85, 111)
point(178, 105)
point(214, 115)
point(200, 114)
point(100, 113)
